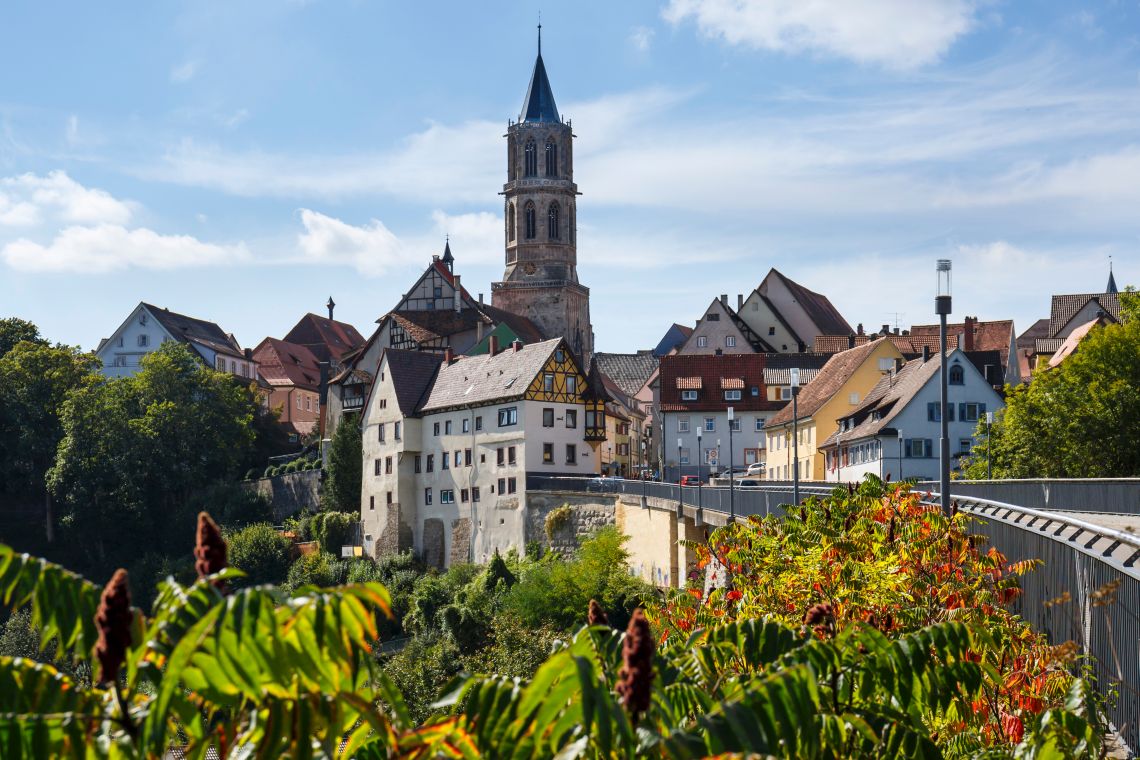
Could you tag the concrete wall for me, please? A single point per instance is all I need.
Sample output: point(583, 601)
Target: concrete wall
point(652, 541)
point(291, 493)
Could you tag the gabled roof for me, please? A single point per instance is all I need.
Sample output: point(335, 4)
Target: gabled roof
point(523, 327)
point(194, 330)
point(485, 379)
point(538, 105)
point(628, 371)
point(711, 375)
point(412, 373)
point(1069, 347)
point(817, 306)
point(424, 326)
point(282, 363)
point(778, 367)
point(994, 335)
point(327, 338)
point(828, 382)
point(1065, 307)
point(673, 337)
point(1039, 329)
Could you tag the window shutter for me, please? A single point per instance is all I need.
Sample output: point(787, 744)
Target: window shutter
point(931, 413)
point(981, 411)
point(961, 411)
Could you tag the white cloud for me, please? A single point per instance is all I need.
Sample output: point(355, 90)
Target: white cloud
point(895, 33)
point(641, 38)
point(110, 247)
point(372, 249)
point(57, 196)
point(183, 72)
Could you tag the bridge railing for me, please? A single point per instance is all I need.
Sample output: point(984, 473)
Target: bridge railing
point(1117, 495)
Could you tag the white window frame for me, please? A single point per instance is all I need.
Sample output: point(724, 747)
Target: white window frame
point(733, 395)
point(689, 395)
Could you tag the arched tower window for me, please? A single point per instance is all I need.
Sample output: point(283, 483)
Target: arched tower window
point(551, 157)
point(510, 222)
point(552, 227)
point(530, 167)
point(528, 215)
point(957, 376)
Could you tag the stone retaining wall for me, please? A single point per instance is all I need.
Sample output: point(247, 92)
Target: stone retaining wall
point(588, 513)
point(290, 493)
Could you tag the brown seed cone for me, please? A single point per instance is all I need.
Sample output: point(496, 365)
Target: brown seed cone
point(821, 618)
point(891, 532)
point(113, 621)
point(636, 677)
point(597, 616)
point(210, 550)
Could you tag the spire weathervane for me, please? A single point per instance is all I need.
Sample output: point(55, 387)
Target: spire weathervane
point(540, 33)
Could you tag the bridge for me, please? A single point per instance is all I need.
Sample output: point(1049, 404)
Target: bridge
point(1087, 533)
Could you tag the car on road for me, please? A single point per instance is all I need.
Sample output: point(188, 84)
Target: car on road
point(737, 472)
point(748, 483)
point(690, 480)
point(757, 469)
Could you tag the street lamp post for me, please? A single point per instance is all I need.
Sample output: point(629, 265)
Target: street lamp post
point(989, 446)
point(795, 381)
point(901, 478)
point(700, 459)
point(731, 489)
point(680, 478)
point(942, 307)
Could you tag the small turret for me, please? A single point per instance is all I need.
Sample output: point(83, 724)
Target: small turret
point(332, 305)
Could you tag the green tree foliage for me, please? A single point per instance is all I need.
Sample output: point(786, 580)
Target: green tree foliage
point(135, 451)
point(1080, 419)
point(332, 530)
point(319, 569)
point(345, 469)
point(261, 553)
point(14, 330)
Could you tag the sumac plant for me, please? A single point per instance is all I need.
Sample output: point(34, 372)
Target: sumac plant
point(873, 560)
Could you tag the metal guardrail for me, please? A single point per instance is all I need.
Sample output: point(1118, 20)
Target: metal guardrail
point(1116, 495)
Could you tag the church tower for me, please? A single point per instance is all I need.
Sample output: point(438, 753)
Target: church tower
point(541, 277)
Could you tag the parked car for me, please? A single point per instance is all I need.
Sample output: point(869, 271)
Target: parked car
point(756, 469)
point(690, 480)
point(737, 472)
point(748, 483)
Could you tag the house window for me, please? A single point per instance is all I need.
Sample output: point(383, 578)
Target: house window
point(571, 454)
point(502, 485)
point(383, 403)
point(702, 341)
point(464, 495)
point(500, 457)
point(688, 395)
point(447, 427)
point(710, 424)
point(785, 394)
point(380, 430)
point(734, 424)
point(571, 384)
point(755, 390)
point(372, 502)
point(478, 423)
point(919, 448)
point(467, 457)
point(732, 395)
point(508, 416)
point(417, 462)
point(684, 456)
point(437, 292)
point(458, 458)
point(771, 331)
point(430, 463)
point(853, 398)
point(934, 412)
point(427, 496)
point(387, 465)
point(511, 485)
point(475, 493)
point(548, 453)
point(308, 403)
point(220, 363)
point(548, 418)
point(759, 424)
point(964, 446)
point(714, 317)
point(435, 429)
point(376, 466)
point(445, 461)
point(396, 430)
point(511, 455)
point(957, 375)
point(971, 412)
point(730, 341)
point(446, 496)
point(144, 340)
point(571, 418)
point(682, 424)
point(548, 382)
point(465, 425)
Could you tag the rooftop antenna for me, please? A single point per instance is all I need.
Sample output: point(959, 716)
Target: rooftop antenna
point(896, 315)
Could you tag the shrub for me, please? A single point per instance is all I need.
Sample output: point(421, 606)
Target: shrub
point(317, 569)
point(261, 552)
point(291, 467)
point(251, 474)
point(333, 530)
point(233, 506)
point(557, 519)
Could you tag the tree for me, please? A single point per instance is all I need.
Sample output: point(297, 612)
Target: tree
point(14, 330)
point(136, 450)
point(261, 553)
point(345, 469)
point(1080, 419)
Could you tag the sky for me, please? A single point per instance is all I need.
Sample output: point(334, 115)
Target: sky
point(243, 161)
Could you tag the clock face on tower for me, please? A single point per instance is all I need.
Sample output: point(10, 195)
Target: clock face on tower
point(528, 268)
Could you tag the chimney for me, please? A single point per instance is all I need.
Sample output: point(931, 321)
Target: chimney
point(516, 345)
point(859, 329)
point(480, 300)
point(851, 341)
point(332, 305)
point(248, 353)
point(740, 302)
point(886, 330)
point(724, 298)
point(926, 352)
point(493, 345)
point(458, 294)
point(968, 333)
point(896, 331)
point(448, 356)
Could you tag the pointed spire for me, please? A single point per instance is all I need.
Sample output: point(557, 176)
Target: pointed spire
point(332, 305)
point(538, 105)
point(1111, 280)
point(447, 258)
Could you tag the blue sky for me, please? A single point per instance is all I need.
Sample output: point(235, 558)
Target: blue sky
point(243, 161)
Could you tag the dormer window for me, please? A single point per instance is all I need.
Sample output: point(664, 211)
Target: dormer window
point(688, 395)
point(957, 376)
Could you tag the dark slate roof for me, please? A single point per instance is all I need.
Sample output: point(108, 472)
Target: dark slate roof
point(627, 371)
point(447, 257)
point(327, 338)
point(522, 326)
point(283, 363)
point(673, 337)
point(1064, 308)
point(193, 330)
point(1111, 287)
point(426, 325)
point(827, 383)
point(818, 308)
point(538, 105)
point(1039, 329)
point(485, 379)
point(412, 374)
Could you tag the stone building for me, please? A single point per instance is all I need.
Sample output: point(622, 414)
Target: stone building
point(541, 277)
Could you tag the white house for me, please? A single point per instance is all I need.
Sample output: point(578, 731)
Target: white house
point(449, 442)
point(148, 327)
point(896, 430)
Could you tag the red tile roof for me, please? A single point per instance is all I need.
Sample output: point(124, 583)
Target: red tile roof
point(818, 308)
point(988, 336)
point(709, 373)
point(283, 363)
point(327, 338)
point(1065, 307)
